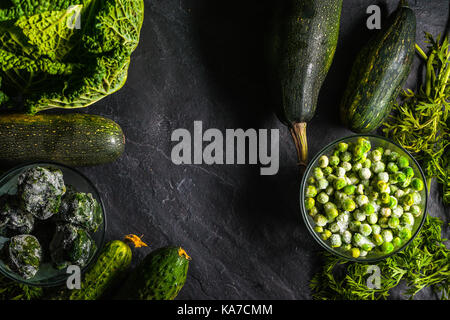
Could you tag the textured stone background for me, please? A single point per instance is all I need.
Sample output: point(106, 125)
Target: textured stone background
point(204, 60)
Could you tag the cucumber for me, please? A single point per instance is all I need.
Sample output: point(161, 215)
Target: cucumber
point(304, 46)
point(70, 139)
point(378, 73)
point(110, 266)
point(160, 276)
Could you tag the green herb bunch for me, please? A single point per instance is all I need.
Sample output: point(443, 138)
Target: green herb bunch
point(11, 290)
point(424, 263)
point(420, 121)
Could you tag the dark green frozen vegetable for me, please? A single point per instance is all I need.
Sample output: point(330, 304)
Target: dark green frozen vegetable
point(80, 209)
point(71, 245)
point(40, 190)
point(13, 220)
point(24, 255)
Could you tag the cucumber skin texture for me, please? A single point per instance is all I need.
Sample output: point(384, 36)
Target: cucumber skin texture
point(306, 43)
point(378, 73)
point(160, 276)
point(70, 139)
point(110, 266)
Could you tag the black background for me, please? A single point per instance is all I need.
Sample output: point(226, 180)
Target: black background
point(204, 60)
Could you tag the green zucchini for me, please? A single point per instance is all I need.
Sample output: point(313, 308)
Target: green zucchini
point(70, 139)
point(305, 43)
point(378, 73)
point(160, 276)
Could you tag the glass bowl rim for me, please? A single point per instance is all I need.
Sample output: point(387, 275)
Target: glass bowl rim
point(303, 210)
point(103, 233)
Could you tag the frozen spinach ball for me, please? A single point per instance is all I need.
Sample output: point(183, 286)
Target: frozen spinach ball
point(13, 220)
point(24, 255)
point(40, 190)
point(71, 245)
point(80, 209)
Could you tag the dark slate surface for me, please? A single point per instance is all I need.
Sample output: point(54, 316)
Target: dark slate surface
point(203, 60)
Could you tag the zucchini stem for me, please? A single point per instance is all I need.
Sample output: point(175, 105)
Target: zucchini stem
point(298, 132)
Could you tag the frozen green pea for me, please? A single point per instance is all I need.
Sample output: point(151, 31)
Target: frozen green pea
point(406, 208)
point(416, 211)
point(399, 193)
point(335, 241)
point(323, 161)
point(355, 252)
point(397, 242)
point(329, 206)
point(383, 222)
point(385, 198)
point(327, 171)
point(378, 167)
point(365, 183)
point(332, 214)
point(372, 218)
point(354, 225)
point(340, 183)
point(392, 202)
point(318, 229)
point(358, 151)
point(334, 161)
point(376, 155)
point(368, 209)
point(405, 233)
point(362, 200)
point(322, 184)
point(346, 165)
point(347, 247)
point(382, 186)
point(393, 156)
point(360, 189)
point(365, 173)
point(347, 236)
point(407, 219)
point(311, 191)
point(399, 177)
point(342, 146)
point(365, 143)
point(309, 203)
point(373, 196)
point(386, 212)
point(376, 229)
point(311, 180)
point(365, 229)
point(357, 166)
point(387, 247)
point(322, 198)
point(349, 204)
point(378, 239)
point(393, 188)
point(387, 235)
point(313, 211)
point(405, 183)
point(367, 163)
point(340, 172)
point(334, 227)
point(358, 239)
point(329, 190)
point(320, 220)
point(366, 247)
point(393, 222)
point(346, 156)
point(340, 196)
point(331, 177)
point(349, 190)
point(318, 173)
point(359, 215)
point(397, 212)
point(392, 167)
point(383, 176)
point(326, 234)
point(408, 199)
point(387, 152)
point(402, 162)
point(417, 184)
point(409, 172)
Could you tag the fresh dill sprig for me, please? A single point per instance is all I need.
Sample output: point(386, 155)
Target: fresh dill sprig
point(420, 121)
point(11, 290)
point(424, 263)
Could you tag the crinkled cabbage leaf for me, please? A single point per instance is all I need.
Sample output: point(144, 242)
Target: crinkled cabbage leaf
point(65, 53)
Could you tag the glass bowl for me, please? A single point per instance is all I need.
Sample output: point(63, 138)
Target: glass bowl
point(48, 276)
point(376, 141)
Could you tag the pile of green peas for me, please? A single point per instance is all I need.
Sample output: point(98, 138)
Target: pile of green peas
point(364, 200)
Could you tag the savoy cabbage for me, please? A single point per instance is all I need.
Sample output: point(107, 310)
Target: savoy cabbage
point(65, 53)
